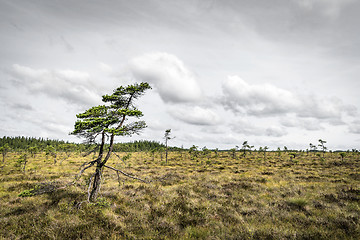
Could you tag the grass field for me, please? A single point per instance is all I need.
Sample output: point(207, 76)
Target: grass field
point(214, 197)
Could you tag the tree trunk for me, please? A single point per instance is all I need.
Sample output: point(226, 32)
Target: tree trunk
point(166, 156)
point(24, 168)
point(166, 150)
point(99, 166)
point(95, 185)
point(97, 176)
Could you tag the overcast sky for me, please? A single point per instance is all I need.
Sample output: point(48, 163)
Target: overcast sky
point(275, 73)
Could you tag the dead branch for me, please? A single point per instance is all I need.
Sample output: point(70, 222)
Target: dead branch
point(90, 164)
point(117, 170)
point(91, 151)
point(119, 158)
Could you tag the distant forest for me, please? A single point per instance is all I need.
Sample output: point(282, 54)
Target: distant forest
point(24, 143)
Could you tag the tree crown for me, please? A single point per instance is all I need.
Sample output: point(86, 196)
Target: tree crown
point(110, 118)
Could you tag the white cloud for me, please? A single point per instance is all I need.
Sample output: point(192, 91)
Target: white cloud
point(354, 127)
point(309, 124)
point(323, 108)
point(275, 131)
point(194, 115)
point(268, 100)
point(72, 86)
point(265, 99)
point(105, 67)
point(173, 80)
point(246, 127)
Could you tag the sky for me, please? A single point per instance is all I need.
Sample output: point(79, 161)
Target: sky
point(273, 73)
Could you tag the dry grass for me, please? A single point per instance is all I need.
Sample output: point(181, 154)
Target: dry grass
point(216, 198)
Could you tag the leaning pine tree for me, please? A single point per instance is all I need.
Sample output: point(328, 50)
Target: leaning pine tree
point(104, 122)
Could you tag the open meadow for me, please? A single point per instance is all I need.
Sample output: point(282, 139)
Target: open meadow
point(213, 196)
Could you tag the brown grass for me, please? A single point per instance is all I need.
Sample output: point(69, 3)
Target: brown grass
point(216, 198)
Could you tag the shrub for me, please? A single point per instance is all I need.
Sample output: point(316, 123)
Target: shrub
point(27, 193)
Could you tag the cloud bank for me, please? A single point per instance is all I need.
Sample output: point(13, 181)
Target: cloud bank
point(266, 100)
point(71, 86)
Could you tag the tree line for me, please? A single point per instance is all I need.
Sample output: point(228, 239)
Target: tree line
point(21, 143)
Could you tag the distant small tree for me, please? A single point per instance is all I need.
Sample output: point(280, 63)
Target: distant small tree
point(152, 152)
point(33, 151)
point(51, 151)
point(216, 151)
point(4, 151)
point(233, 152)
point(355, 152)
point(265, 148)
point(193, 151)
point(312, 147)
point(66, 148)
point(342, 155)
point(250, 148)
point(285, 149)
point(322, 146)
point(206, 152)
point(160, 150)
point(245, 147)
point(167, 138)
point(278, 152)
point(22, 161)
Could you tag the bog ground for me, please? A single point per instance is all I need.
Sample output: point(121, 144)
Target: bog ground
point(204, 197)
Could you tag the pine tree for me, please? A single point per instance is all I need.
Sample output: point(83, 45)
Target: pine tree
point(111, 119)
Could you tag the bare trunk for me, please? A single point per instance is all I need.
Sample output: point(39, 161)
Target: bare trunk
point(166, 155)
point(95, 185)
point(24, 168)
point(97, 175)
point(99, 166)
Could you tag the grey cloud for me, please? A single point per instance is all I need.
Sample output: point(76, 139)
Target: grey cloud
point(69, 48)
point(268, 100)
point(329, 8)
point(22, 106)
point(219, 130)
point(319, 24)
point(309, 124)
point(324, 108)
point(275, 131)
point(247, 128)
point(72, 86)
point(354, 127)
